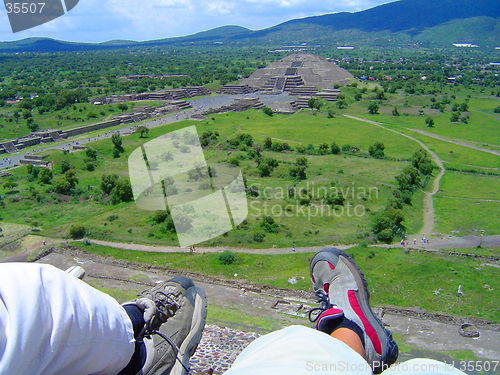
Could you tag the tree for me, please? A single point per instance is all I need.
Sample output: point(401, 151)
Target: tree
point(117, 141)
point(108, 182)
point(455, 117)
point(409, 179)
point(33, 126)
point(122, 107)
point(497, 110)
point(342, 104)
point(269, 225)
point(323, 148)
point(10, 185)
point(143, 130)
point(70, 176)
point(395, 111)
point(268, 111)
point(429, 121)
point(26, 114)
point(421, 161)
point(45, 176)
point(122, 192)
point(65, 166)
point(377, 150)
point(298, 170)
point(335, 148)
point(268, 143)
point(66, 182)
point(77, 231)
point(314, 103)
point(91, 153)
point(264, 170)
point(373, 108)
point(331, 113)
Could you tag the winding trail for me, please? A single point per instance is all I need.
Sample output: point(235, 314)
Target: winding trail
point(428, 226)
point(459, 143)
point(449, 242)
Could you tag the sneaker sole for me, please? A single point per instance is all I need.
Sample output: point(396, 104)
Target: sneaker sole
point(388, 345)
point(189, 345)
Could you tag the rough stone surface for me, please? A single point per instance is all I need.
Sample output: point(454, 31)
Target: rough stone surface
point(218, 349)
point(313, 70)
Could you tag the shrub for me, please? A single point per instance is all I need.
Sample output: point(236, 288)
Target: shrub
point(269, 225)
point(385, 235)
point(65, 166)
point(160, 216)
point(268, 111)
point(259, 237)
point(45, 176)
point(91, 153)
point(377, 150)
point(335, 148)
point(108, 182)
point(373, 108)
point(122, 192)
point(227, 257)
point(77, 231)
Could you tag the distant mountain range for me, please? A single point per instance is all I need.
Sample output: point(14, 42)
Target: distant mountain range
point(436, 23)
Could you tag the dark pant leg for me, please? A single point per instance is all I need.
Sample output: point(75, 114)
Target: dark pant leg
point(139, 357)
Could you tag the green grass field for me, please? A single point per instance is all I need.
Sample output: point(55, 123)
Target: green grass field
point(365, 183)
point(466, 216)
point(67, 118)
point(465, 185)
point(394, 278)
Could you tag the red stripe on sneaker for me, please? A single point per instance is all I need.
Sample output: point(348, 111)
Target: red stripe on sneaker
point(326, 287)
point(330, 314)
point(331, 266)
point(370, 331)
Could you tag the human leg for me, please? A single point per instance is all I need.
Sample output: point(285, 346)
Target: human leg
point(351, 339)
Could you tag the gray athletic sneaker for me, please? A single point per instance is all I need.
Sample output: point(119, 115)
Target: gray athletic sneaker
point(175, 331)
point(335, 275)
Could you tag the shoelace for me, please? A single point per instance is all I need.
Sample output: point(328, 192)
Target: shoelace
point(165, 303)
point(147, 333)
point(324, 304)
point(174, 347)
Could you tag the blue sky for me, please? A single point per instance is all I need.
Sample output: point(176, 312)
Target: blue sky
point(101, 20)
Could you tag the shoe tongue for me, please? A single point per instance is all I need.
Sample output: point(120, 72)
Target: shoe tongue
point(329, 320)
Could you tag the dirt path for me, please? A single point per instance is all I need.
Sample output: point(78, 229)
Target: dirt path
point(449, 242)
point(464, 144)
point(428, 226)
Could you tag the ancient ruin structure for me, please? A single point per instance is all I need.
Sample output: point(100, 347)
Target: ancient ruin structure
point(304, 74)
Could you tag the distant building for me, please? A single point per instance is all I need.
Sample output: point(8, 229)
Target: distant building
point(451, 80)
point(465, 45)
point(345, 47)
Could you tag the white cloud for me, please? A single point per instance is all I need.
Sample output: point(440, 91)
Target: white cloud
point(97, 20)
point(220, 7)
